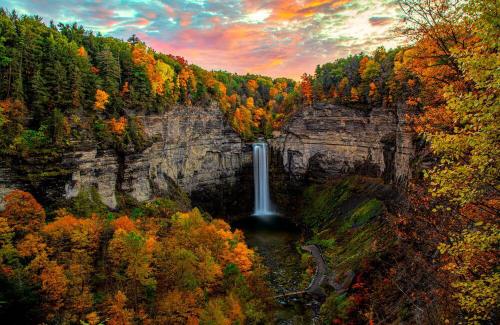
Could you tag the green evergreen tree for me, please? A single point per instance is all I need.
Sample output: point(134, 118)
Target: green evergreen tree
point(109, 67)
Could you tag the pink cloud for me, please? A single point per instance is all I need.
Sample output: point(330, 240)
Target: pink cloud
point(151, 15)
point(242, 48)
point(185, 19)
point(169, 10)
point(104, 13)
point(142, 22)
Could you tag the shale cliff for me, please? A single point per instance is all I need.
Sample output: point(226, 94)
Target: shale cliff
point(328, 140)
point(195, 150)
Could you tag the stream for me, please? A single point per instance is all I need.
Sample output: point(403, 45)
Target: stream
point(275, 239)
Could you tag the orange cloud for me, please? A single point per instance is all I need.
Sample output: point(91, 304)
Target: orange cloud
point(285, 10)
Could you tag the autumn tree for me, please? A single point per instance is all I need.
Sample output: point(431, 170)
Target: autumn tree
point(53, 286)
point(306, 89)
point(354, 94)
point(131, 254)
point(101, 99)
point(23, 212)
point(117, 312)
point(118, 126)
point(252, 86)
point(455, 57)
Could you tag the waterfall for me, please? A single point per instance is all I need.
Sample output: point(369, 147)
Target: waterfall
point(262, 204)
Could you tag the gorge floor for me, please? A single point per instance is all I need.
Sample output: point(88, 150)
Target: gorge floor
point(276, 239)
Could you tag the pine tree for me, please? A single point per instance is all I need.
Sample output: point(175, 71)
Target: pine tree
point(109, 67)
point(39, 97)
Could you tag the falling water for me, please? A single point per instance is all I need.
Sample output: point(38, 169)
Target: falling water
point(261, 181)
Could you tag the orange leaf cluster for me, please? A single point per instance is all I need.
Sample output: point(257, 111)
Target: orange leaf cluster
point(82, 52)
point(125, 89)
point(354, 94)
point(187, 79)
point(143, 56)
point(373, 89)
point(118, 126)
point(101, 99)
point(123, 223)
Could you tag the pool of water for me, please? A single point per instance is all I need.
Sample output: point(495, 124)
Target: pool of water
point(275, 238)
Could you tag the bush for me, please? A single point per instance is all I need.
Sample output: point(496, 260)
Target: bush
point(335, 307)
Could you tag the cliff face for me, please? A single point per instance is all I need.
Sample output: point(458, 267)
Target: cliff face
point(193, 148)
point(328, 140)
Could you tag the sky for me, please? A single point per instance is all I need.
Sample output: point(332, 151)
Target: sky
point(277, 38)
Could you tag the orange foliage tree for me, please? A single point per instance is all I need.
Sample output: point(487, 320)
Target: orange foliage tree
point(23, 212)
point(184, 265)
point(117, 312)
point(101, 99)
point(306, 88)
point(160, 74)
point(118, 126)
point(252, 85)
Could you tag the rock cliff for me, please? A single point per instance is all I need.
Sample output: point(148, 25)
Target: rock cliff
point(328, 140)
point(193, 148)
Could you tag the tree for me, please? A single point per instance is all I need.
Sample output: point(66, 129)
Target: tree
point(456, 58)
point(354, 94)
point(23, 212)
point(39, 98)
point(117, 313)
point(469, 154)
point(252, 86)
point(109, 70)
point(101, 99)
point(306, 88)
point(53, 286)
point(118, 126)
point(362, 65)
point(180, 307)
point(59, 127)
point(372, 70)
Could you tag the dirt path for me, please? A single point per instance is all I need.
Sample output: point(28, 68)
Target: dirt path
point(319, 277)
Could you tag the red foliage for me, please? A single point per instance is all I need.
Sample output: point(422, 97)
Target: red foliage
point(182, 61)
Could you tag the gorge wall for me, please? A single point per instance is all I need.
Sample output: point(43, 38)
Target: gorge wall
point(194, 149)
point(328, 140)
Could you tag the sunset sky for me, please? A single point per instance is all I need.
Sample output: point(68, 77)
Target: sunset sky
point(270, 37)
